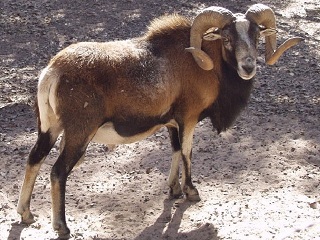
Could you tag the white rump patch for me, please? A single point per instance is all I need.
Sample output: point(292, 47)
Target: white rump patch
point(48, 81)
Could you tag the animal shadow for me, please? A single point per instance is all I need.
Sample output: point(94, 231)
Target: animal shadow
point(167, 225)
point(16, 230)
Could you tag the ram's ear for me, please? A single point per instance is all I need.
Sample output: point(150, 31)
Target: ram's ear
point(212, 34)
point(265, 32)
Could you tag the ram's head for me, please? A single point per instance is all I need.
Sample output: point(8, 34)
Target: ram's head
point(239, 34)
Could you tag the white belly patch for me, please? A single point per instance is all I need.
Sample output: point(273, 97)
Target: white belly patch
point(106, 134)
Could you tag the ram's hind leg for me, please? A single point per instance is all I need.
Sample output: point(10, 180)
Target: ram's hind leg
point(74, 147)
point(36, 157)
point(174, 184)
point(61, 147)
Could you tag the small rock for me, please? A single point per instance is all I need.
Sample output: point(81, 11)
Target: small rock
point(314, 205)
point(36, 226)
point(78, 234)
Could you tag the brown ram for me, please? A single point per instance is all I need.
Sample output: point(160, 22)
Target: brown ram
point(123, 91)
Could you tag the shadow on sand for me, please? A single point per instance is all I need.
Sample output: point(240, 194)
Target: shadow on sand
point(16, 230)
point(167, 225)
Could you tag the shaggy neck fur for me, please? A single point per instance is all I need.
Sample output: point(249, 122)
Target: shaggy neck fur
point(233, 97)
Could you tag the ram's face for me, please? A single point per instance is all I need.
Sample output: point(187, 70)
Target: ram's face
point(240, 40)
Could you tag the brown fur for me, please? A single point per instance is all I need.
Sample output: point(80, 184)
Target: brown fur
point(114, 72)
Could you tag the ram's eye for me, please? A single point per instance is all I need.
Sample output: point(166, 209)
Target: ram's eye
point(226, 40)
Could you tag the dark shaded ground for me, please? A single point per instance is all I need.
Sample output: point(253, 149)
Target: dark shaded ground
point(260, 180)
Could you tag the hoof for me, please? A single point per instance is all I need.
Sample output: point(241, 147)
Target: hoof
point(175, 196)
point(193, 198)
point(192, 194)
point(27, 218)
point(175, 193)
point(64, 235)
point(62, 230)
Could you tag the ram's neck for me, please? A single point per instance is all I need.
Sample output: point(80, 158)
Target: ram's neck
point(233, 96)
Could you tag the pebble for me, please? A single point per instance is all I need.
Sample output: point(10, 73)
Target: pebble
point(314, 205)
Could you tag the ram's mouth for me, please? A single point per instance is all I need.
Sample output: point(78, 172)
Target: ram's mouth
point(245, 75)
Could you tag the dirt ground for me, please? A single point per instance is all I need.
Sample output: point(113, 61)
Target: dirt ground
point(260, 180)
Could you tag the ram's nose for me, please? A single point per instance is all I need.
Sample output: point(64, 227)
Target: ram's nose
point(248, 65)
point(247, 68)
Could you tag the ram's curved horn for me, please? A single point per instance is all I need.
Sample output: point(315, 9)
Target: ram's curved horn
point(263, 15)
point(210, 17)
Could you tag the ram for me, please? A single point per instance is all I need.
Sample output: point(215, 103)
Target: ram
point(178, 73)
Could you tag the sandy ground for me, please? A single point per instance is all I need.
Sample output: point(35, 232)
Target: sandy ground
point(260, 180)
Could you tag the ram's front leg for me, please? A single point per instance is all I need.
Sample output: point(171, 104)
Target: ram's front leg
point(174, 184)
point(186, 137)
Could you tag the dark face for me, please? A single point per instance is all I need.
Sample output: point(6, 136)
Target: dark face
point(240, 41)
